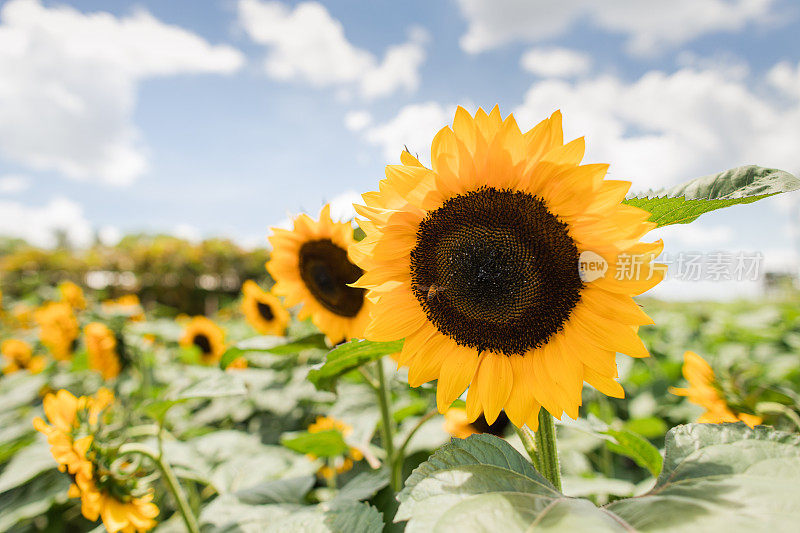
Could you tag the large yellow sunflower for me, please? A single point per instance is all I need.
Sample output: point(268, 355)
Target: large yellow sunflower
point(102, 347)
point(207, 336)
point(58, 328)
point(263, 310)
point(703, 391)
point(475, 262)
point(311, 266)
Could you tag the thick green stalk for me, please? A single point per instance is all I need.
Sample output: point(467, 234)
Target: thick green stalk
point(530, 446)
point(546, 449)
point(387, 425)
point(171, 480)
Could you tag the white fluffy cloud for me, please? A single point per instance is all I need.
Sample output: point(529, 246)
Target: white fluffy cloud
point(13, 183)
point(648, 25)
point(68, 85)
point(308, 44)
point(555, 62)
point(357, 120)
point(414, 127)
point(664, 128)
point(39, 225)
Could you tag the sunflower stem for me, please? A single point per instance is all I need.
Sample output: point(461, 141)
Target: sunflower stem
point(530, 446)
point(170, 479)
point(386, 426)
point(546, 449)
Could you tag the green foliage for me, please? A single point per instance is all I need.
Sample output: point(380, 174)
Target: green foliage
point(714, 477)
point(742, 185)
point(347, 357)
point(327, 443)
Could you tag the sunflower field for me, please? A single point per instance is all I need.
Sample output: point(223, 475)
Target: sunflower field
point(474, 352)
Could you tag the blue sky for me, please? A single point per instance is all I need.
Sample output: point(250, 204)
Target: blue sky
point(223, 117)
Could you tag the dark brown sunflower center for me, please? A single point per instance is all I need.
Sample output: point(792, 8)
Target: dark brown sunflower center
point(265, 311)
point(202, 342)
point(495, 270)
point(326, 271)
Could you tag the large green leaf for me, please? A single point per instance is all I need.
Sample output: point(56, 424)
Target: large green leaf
point(715, 477)
point(33, 498)
point(347, 357)
point(215, 384)
point(315, 341)
point(742, 185)
point(328, 443)
point(636, 447)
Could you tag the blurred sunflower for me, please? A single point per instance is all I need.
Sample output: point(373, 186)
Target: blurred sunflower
point(19, 356)
point(263, 311)
point(58, 328)
point(457, 424)
point(337, 465)
point(72, 294)
point(311, 266)
point(127, 305)
point(102, 347)
point(71, 433)
point(704, 391)
point(207, 336)
point(475, 262)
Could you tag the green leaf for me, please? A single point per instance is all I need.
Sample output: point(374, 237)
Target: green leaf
point(636, 447)
point(362, 487)
point(715, 477)
point(347, 357)
point(292, 490)
point(742, 185)
point(216, 384)
point(27, 464)
point(328, 443)
point(33, 499)
point(315, 341)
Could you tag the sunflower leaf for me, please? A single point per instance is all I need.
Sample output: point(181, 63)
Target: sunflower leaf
point(636, 447)
point(714, 477)
point(686, 202)
point(347, 357)
point(309, 342)
point(328, 443)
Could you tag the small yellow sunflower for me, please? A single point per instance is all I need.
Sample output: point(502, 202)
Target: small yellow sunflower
point(58, 329)
point(102, 347)
point(457, 424)
point(70, 435)
point(207, 336)
point(263, 311)
point(477, 264)
point(704, 392)
point(128, 515)
point(72, 294)
point(127, 305)
point(19, 356)
point(311, 266)
point(338, 465)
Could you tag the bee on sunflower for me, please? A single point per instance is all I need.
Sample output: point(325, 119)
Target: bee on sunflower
point(72, 294)
point(475, 263)
point(74, 423)
point(312, 267)
point(58, 329)
point(19, 356)
point(207, 336)
point(336, 465)
point(101, 344)
point(263, 310)
point(704, 391)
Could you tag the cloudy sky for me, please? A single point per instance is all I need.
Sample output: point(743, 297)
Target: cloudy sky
point(221, 117)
